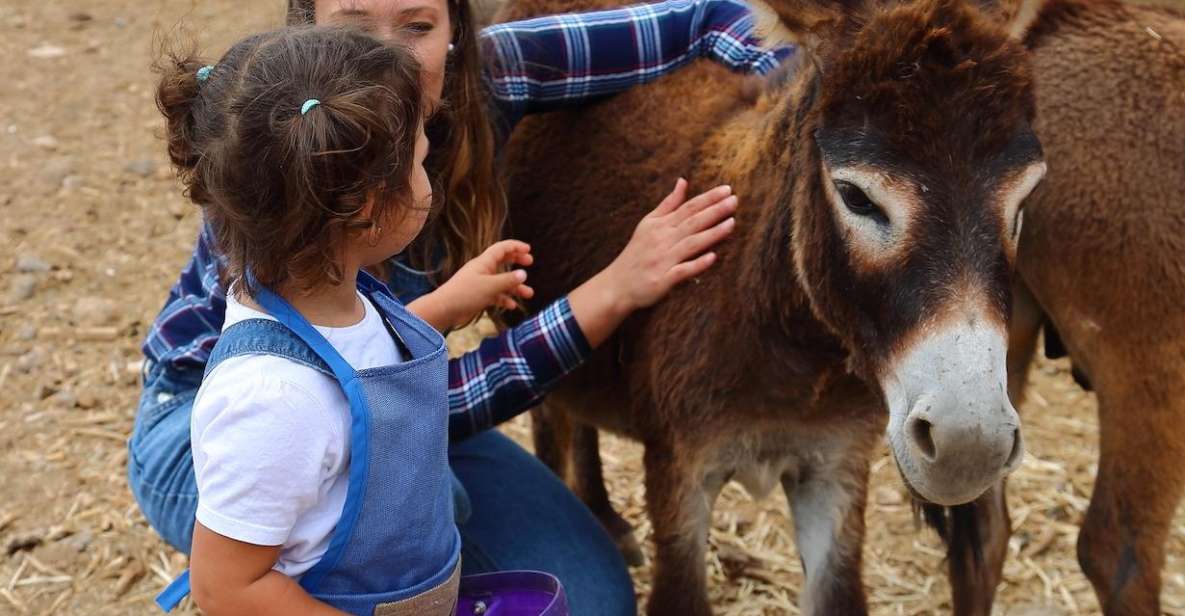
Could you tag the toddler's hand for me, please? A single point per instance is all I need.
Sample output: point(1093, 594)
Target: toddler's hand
point(479, 284)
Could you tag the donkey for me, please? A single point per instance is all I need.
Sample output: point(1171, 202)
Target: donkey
point(1102, 259)
point(871, 268)
point(1102, 267)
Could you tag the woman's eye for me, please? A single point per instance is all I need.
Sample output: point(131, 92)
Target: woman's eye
point(419, 27)
point(858, 203)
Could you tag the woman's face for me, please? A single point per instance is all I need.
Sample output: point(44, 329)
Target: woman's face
point(422, 25)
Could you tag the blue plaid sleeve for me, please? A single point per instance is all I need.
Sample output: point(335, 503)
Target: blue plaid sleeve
point(545, 63)
point(185, 330)
point(511, 372)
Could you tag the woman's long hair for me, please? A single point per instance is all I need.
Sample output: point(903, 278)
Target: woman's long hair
point(462, 160)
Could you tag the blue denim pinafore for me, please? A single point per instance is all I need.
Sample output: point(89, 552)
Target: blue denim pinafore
point(396, 549)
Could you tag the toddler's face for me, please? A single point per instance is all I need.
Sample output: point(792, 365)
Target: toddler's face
point(409, 217)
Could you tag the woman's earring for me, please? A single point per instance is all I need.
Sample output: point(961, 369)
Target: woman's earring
point(376, 233)
point(451, 47)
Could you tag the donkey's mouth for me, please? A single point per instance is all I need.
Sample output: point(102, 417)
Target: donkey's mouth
point(918, 499)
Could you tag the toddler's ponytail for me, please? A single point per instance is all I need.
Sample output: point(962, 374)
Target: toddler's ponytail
point(176, 97)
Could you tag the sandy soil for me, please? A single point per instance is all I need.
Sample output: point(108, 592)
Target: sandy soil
point(93, 231)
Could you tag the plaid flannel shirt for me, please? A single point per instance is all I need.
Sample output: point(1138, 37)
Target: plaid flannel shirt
point(550, 62)
point(532, 66)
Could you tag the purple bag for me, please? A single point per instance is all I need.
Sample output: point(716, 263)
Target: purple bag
point(511, 593)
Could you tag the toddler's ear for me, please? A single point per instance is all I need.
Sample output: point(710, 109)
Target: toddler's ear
point(368, 207)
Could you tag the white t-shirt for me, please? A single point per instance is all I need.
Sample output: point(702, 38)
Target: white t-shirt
point(271, 444)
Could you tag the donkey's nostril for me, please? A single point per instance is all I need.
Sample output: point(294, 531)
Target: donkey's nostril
point(920, 429)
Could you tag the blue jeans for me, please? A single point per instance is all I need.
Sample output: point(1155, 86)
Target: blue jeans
point(518, 514)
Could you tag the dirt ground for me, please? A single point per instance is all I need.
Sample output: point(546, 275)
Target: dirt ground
point(93, 231)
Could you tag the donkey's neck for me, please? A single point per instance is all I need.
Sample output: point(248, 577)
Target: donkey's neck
point(756, 152)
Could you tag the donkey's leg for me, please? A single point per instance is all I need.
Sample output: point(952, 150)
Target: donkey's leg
point(679, 507)
point(1140, 482)
point(1023, 331)
point(828, 511)
point(590, 485)
point(551, 433)
point(977, 543)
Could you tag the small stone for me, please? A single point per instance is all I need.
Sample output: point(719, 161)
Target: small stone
point(46, 51)
point(26, 333)
point(32, 264)
point(63, 275)
point(57, 170)
point(22, 287)
point(143, 167)
point(178, 210)
point(46, 141)
point(29, 361)
point(66, 399)
point(93, 310)
point(45, 391)
point(81, 16)
point(79, 541)
point(87, 401)
point(72, 182)
point(21, 542)
point(120, 22)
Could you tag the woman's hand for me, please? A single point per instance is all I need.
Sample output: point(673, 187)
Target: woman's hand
point(479, 284)
point(668, 247)
point(669, 244)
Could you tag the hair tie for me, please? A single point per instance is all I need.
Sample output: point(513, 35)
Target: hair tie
point(203, 73)
point(309, 104)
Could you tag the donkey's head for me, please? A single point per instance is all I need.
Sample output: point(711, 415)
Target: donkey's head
point(916, 152)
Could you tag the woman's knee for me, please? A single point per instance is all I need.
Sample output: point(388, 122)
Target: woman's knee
point(524, 517)
point(160, 462)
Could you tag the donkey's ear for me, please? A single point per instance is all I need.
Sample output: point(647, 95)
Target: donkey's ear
point(1018, 16)
point(806, 23)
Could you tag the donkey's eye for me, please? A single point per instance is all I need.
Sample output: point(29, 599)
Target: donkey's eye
point(858, 203)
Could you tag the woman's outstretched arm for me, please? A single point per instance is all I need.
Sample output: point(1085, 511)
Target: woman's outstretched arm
point(545, 63)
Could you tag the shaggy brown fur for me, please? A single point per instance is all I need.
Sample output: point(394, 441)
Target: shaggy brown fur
point(1103, 254)
point(764, 369)
point(1102, 261)
point(1102, 257)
